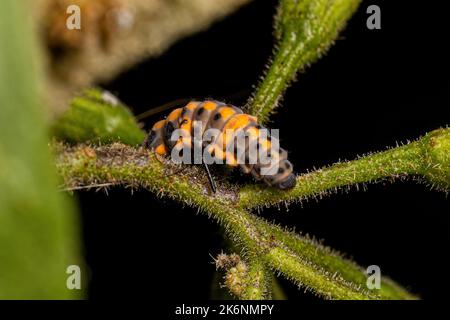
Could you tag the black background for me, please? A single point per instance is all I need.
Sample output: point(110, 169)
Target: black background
point(374, 88)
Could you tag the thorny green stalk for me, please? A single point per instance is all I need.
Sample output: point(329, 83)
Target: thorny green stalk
point(301, 260)
point(258, 281)
point(246, 279)
point(305, 29)
point(428, 157)
point(329, 262)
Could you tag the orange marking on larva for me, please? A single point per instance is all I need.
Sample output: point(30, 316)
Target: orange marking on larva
point(174, 114)
point(253, 132)
point(223, 147)
point(226, 112)
point(209, 105)
point(211, 150)
point(265, 144)
point(187, 141)
point(220, 141)
point(186, 124)
point(220, 154)
point(229, 136)
point(161, 149)
point(179, 144)
point(192, 105)
point(238, 121)
point(231, 160)
point(158, 125)
point(216, 152)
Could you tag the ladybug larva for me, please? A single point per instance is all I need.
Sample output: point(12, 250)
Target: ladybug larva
point(227, 120)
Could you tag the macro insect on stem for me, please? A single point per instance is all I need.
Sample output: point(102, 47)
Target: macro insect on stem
point(305, 29)
point(222, 132)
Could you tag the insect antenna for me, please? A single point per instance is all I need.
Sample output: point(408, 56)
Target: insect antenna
point(169, 105)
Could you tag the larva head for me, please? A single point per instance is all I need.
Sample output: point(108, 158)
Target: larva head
point(155, 140)
point(154, 137)
point(287, 183)
point(285, 178)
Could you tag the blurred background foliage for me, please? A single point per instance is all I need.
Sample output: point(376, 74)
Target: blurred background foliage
point(38, 226)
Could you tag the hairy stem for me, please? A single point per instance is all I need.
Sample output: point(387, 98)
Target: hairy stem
point(258, 279)
point(330, 262)
point(428, 157)
point(247, 279)
point(305, 30)
point(120, 164)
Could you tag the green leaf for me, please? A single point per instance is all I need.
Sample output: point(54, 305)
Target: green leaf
point(39, 230)
point(96, 118)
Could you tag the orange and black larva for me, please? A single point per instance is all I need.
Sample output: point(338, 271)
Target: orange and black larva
point(223, 117)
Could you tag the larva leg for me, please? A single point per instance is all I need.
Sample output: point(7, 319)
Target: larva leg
point(212, 183)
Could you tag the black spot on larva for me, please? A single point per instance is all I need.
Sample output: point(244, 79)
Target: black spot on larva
point(168, 130)
point(284, 171)
point(235, 147)
point(150, 138)
point(260, 146)
point(235, 151)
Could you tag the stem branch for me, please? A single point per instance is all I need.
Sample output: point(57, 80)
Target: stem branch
point(428, 157)
point(306, 263)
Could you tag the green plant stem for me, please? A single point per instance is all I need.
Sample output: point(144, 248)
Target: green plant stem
point(257, 280)
point(119, 164)
point(428, 157)
point(331, 263)
point(247, 279)
point(305, 30)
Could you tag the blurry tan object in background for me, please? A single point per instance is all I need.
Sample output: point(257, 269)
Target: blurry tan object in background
point(114, 35)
